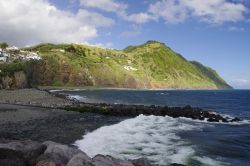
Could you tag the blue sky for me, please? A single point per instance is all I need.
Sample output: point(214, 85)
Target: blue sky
point(213, 32)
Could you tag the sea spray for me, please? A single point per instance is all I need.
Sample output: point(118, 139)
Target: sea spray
point(144, 136)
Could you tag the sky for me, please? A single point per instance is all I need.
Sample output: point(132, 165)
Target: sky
point(213, 32)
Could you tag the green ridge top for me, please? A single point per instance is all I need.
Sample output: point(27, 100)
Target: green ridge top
point(150, 65)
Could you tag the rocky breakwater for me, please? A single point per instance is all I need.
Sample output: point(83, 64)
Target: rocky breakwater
point(30, 153)
point(135, 110)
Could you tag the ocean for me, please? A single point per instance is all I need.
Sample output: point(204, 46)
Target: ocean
point(165, 140)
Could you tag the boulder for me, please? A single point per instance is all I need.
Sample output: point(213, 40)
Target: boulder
point(235, 119)
point(46, 163)
point(29, 149)
point(58, 153)
point(101, 160)
point(10, 157)
point(80, 159)
point(51, 158)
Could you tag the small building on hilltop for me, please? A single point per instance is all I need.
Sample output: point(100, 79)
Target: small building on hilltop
point(12, 48)
point(4, 56)
point(32, 56)
point(14, 54)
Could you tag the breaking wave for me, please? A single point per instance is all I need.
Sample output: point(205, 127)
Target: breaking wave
point(145, 136)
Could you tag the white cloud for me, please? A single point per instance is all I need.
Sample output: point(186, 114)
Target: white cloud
point(211, 11)
point(236, 29)
point(241, 83)
point(93, 19)
point(139, 18)
point(28, 22)
point(105, 5)
point(176, 11)
point(171, 11)
point(118, 8)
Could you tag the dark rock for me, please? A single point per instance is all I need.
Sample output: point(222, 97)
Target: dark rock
point(46, 163)
point(135, 110)
point(62, 150)
point(235, 120)
point(141, 162)
point(175, 164)
point(10, 157)
point(53, 158)
point(58, 153)
point(29, 149)
point(187, 107)
point(101, 160)
point(80, 159)
point(212, 120)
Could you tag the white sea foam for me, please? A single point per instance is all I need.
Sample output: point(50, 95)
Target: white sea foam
point(206, 161)
point(76, 97)
point(144, 136)
point(69, 90)
point(242, 122)
point(56, 90)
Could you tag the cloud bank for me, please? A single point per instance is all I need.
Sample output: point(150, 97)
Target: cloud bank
point(241, 83)
point(27, 22)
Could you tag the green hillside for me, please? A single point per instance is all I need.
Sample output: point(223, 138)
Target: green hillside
point(150, 65)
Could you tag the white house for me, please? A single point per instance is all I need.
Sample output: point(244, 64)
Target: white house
point(12, 48)
point(3, 56)
point(3, 59)
point(32, 56)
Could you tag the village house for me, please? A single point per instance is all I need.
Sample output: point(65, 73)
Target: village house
point(32, 56)
point(12, 48)
point(3, 55)
point(14, 54)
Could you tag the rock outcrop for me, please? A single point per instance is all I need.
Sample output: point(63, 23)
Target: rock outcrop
point(135, 110)
point(30, 153)
point(17, 80)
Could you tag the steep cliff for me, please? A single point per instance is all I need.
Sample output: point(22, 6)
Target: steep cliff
point(150, 65)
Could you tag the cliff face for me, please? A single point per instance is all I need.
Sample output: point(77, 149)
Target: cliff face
point(16, 81)
point(150, 65)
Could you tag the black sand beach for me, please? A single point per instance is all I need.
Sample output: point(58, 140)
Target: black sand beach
point(38, 123)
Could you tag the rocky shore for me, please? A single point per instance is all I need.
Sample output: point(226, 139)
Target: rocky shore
point(48, 99)
point(33, 97)
point(135, 110)
point(31, 153)
point(41, 116)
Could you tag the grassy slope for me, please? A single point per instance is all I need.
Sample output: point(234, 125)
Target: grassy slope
point(157, 67)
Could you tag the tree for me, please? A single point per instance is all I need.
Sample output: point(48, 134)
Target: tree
point(3, 45)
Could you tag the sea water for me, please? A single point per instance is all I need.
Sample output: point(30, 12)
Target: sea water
point(165, 140)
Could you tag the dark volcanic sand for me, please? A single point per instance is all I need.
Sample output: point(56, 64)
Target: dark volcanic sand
point(42, 124)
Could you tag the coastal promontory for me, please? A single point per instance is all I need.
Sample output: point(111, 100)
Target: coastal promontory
point(152, 65)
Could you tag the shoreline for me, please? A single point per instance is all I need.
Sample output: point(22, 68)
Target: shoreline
point(48, 153)
point(48, 88)
point(51, 99)
point(26, 132)
point(27, 117)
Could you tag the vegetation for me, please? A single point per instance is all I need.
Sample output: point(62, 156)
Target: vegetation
point(8, 69)
point(3, 45)
point(150, 65)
